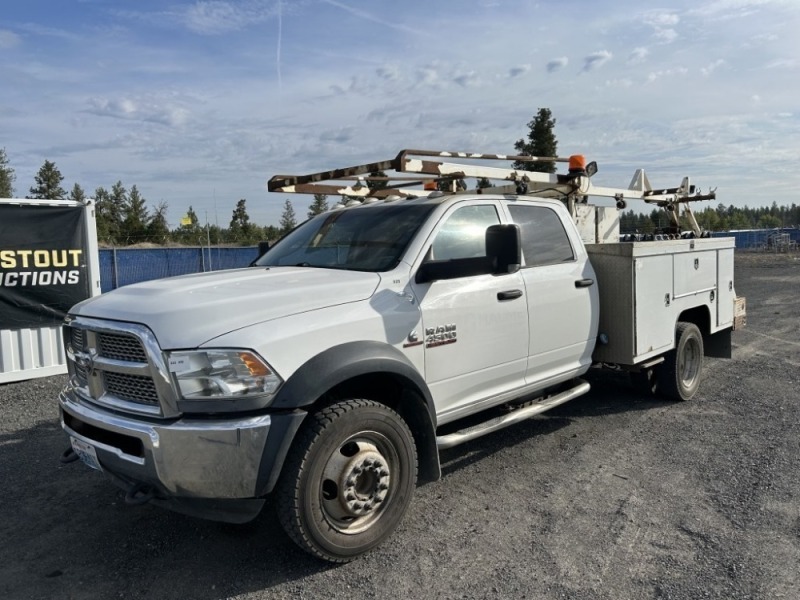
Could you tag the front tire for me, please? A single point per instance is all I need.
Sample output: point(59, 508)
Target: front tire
point(348, 480)
point(680, 372)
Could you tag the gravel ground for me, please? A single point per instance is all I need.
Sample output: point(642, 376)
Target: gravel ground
point(610, 496)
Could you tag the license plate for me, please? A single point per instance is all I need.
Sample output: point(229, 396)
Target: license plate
point(86, 453)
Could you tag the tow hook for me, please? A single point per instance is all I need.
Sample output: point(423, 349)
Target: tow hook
point(139, 493)
point(68, 456)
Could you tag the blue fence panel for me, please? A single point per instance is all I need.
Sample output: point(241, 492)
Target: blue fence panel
point(124, 266)
point(757, 238)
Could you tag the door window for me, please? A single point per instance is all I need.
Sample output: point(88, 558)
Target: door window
point(463, 234)
point(544, 240)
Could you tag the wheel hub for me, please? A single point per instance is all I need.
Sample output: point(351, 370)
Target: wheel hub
point(364, 482)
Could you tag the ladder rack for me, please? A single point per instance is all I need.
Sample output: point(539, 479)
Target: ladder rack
point(437, 171)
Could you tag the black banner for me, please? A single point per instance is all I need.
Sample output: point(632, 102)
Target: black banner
point(43, 264)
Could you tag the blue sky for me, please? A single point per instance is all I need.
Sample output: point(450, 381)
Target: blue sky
point(201, 102)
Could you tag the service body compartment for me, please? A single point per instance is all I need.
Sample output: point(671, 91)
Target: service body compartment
point(645, 286)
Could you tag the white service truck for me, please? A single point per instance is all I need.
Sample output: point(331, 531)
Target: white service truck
point(334, 369)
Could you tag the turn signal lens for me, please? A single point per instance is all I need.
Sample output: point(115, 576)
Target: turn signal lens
point(256, 367)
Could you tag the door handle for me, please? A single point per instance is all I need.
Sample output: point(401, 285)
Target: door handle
point(509, 295)
point(584, 283)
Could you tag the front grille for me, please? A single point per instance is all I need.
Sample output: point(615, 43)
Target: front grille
point(121, 347)
point(77, 339)
point(112, 366)
point(134, 388)
point(81, 374)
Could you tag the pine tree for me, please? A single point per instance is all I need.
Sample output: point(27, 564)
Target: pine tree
point(288, 219)
point(191, 233)
point(48, 183)
point(541, 142)
point(77, 194)
point(109, 213)
point(319, 206)
point(157, 226)
point(7, 176)
point(135, 217)
point(377, 185)
point(241, 229)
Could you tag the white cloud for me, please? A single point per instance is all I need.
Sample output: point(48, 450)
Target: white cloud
point(708, 70)
point(596, 60)
point(337, 136)
point(661, 19)
point(428, 75)
point(638, 55)
point(217, 17)
point(557, 64)
point(783, 63)
point(389, 73)
point(514, 72)
point(214, 17)
point(8, 39)
point(738, 8)
point(140, 109)
point(663, 24)
point(676, 71)
point(666, 36)
point(467, 79)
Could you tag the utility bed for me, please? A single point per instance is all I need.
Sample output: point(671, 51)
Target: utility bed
point(644, 286)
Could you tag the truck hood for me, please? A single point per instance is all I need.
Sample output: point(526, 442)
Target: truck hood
point(187, 311)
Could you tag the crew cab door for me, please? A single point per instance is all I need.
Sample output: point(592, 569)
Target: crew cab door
point(475, 327)
point(562, 294)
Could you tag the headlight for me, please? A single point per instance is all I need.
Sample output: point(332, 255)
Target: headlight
point(219, 374)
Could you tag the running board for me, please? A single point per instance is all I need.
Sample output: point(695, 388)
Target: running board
point(470, 433)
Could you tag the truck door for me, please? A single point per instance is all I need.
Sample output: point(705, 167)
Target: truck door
point(475, 327)
point(562, 296)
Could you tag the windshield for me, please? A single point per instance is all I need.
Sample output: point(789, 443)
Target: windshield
point(362, 239)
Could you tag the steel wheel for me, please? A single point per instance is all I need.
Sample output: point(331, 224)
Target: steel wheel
point(680, 372)
point(348, 479)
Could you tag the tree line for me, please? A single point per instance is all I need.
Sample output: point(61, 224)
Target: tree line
point(124, 217)
point(719, 218)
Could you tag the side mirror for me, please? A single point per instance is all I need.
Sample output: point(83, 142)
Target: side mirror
point(503, 256)
point(503, 248)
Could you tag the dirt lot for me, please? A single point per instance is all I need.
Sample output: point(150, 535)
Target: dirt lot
point(611, 496)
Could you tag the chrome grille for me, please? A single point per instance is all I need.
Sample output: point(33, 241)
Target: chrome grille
point(77, 339)
point(134, 388)
point(81, 374)
point(112, 366)
point(121, 347)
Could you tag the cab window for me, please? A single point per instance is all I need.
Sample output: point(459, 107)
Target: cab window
point(463, 234)
point(544, 240)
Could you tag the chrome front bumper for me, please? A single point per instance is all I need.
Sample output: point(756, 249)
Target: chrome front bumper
point(187, 458)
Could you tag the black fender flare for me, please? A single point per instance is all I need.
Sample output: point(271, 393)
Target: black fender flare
point(339, 364)
point(346, 361)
